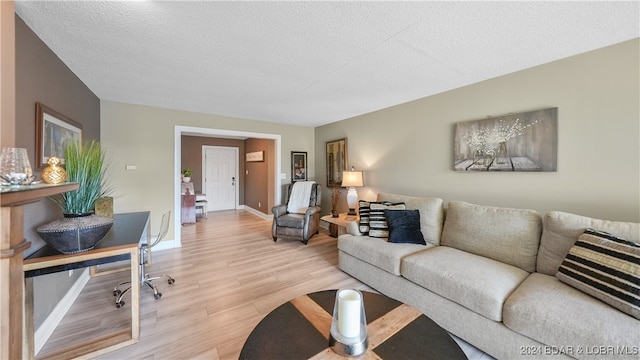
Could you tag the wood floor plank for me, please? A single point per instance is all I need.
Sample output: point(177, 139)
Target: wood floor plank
point(315, 314)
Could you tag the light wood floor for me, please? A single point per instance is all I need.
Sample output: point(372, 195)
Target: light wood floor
point(229, 275)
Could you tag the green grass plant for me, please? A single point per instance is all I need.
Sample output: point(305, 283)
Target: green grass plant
point(85, 164)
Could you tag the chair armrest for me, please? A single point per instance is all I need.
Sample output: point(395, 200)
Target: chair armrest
point(279, 210)
point(312, 210)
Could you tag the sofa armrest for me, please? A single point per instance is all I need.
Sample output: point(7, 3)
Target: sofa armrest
point(353, 229)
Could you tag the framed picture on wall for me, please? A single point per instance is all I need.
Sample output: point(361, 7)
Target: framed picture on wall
point(256, 156)
point(53, 132)
point(336, 161)
point(526, 141)
point(298, 166)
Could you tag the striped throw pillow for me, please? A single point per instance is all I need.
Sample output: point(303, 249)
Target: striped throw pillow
point(363, 211)
point(378, 226)
point(605, 267)
point(372, 220)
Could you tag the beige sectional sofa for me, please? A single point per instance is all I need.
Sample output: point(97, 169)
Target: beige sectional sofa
point(487, 275)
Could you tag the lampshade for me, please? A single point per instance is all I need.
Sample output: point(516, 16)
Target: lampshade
point(352, 178)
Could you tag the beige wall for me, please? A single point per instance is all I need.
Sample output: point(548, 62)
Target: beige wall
point(144, 136)
point(408, 148)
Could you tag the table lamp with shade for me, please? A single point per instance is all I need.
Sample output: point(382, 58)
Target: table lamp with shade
point(351, 179)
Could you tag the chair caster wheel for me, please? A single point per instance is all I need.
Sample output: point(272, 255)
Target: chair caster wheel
point(116, 292)
point(157, 296)
point(120, 304)
point(171, 281)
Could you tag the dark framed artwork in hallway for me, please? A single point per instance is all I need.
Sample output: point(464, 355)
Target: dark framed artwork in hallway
point(298, 166)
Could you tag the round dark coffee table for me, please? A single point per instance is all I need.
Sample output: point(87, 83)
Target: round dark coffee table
point(299, 329)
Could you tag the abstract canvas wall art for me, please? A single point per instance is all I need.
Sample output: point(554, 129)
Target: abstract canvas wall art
point(525, 141)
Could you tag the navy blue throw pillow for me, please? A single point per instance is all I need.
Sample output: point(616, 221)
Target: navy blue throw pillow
point(404, 226)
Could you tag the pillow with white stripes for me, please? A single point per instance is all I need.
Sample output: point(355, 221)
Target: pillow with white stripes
point(372, 220)
point(605, 267)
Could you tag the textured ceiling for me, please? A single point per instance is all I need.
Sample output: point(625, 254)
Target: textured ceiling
point(311, 63)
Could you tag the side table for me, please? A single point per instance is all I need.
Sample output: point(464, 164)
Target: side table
point(336, 224)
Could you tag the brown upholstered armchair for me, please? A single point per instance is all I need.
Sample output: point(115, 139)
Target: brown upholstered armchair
point(297, 226)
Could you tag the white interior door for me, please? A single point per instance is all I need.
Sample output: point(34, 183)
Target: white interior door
point(220, 177)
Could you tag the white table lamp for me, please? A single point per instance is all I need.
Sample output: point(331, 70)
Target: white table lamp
point(351, 179)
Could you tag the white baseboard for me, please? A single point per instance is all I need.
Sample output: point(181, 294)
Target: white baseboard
point(47, 327)
point(258, 212)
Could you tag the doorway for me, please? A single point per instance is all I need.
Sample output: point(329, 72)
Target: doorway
point(220, 177)
point(180, 130)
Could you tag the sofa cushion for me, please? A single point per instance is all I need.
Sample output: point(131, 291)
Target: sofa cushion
point(378, 252)
point(555, 314)
point(561, 230)
point(431, 213)
point(475, 282)
point(511, 236)
point(404, 226)
point(605, 267)
point(372, 220)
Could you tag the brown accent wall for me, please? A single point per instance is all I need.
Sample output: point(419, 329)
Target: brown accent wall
point(192, 158)
point(258, 179)
point(271, 176)
point(42, 77)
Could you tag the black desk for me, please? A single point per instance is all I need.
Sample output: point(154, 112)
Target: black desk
point(120, 243)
